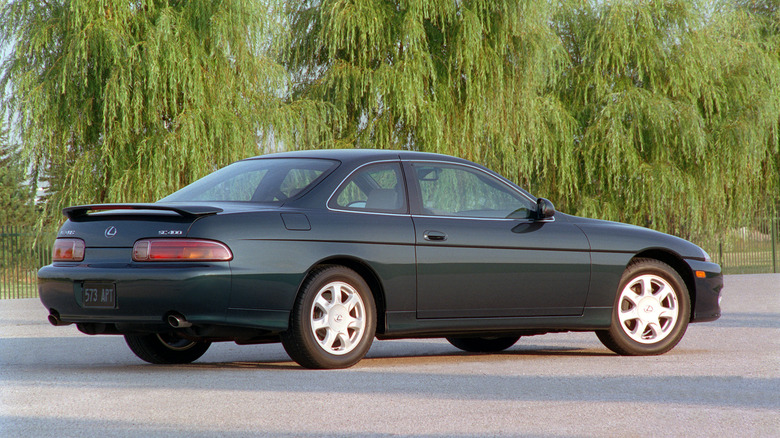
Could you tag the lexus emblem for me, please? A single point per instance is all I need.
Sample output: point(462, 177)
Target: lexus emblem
point(110, 232)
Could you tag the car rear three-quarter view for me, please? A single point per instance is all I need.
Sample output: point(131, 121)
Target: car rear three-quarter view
point(325, 250)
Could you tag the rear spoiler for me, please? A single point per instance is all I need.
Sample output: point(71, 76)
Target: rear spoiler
point(183, 210)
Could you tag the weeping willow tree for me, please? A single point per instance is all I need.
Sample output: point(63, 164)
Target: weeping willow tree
point(677, 110)
point(764, 17)
point(16, 195)
point(658, 113)
point(128, 101)
point(473, 78)
point(663, 113)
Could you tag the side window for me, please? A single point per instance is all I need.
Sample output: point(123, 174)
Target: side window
point(297, 180)
point(451, 190)
point(376, 187)
point(239, 188)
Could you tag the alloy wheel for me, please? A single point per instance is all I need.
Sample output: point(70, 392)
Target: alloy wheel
point(648, 309)
point(338, 318)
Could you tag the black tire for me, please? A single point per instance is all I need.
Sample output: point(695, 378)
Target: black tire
point(484, 345)
point(345, 333)
point(654, 305)
point(165, 348)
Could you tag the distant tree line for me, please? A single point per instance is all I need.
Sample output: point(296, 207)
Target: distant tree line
point(664, 114)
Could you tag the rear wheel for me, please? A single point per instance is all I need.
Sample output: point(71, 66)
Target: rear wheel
point(333, 322)
point(651, 310)
point(484, 345)
point(163, 348)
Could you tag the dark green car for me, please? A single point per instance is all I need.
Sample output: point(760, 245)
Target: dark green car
point(325, 250)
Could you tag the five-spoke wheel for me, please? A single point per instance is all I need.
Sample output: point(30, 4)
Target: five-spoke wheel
point(333, 321)
point(651, 310)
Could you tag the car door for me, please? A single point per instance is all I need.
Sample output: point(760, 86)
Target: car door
point(481, 253)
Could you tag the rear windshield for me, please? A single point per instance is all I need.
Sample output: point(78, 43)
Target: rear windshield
point(265, 180)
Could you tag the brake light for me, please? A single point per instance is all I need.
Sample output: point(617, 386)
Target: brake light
point(68, 250)
point(168, 250)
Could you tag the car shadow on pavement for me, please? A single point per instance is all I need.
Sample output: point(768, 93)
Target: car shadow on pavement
point(373, 360)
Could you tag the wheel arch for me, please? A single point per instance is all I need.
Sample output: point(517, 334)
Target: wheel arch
point(678, 264)
point(369, 276)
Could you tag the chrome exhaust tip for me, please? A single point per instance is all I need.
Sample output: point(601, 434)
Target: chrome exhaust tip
point(54, 319)
point(178, 321)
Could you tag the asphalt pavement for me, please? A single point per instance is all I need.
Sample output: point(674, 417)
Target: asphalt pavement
point(723, 379)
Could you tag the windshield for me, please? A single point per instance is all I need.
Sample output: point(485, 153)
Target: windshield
point(264, 180)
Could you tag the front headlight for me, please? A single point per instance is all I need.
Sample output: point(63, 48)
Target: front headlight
point(707, 257)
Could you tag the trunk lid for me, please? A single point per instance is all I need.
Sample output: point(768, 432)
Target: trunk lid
point(120, 225)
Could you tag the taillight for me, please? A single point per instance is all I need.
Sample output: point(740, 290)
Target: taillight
point(68, 250)
point(169, 250)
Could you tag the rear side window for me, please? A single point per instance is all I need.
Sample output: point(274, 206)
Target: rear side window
point(265, 180)
point(297, 180)
point(376, 188)
point(240, 187)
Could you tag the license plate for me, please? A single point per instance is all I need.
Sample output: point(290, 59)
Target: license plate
point(99, 295)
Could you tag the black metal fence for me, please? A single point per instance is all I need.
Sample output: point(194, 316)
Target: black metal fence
point(22, 252)
point(753, 249)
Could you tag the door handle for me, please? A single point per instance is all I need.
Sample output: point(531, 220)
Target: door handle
point(432, 235)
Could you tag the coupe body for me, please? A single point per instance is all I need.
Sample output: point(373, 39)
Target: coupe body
point(326, 250)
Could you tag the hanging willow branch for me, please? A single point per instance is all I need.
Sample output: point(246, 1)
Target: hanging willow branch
point(659, 113)
point(676, 109)
point(128, 101)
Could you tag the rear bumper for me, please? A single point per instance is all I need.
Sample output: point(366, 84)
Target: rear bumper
point(707, 294)
point(145, 295)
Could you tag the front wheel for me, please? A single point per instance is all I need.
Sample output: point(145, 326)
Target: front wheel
point(163, 348)
point(333, 322)
point(484, 345)
point(651, 310)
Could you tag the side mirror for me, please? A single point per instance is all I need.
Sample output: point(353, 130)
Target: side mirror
point(544, 208)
